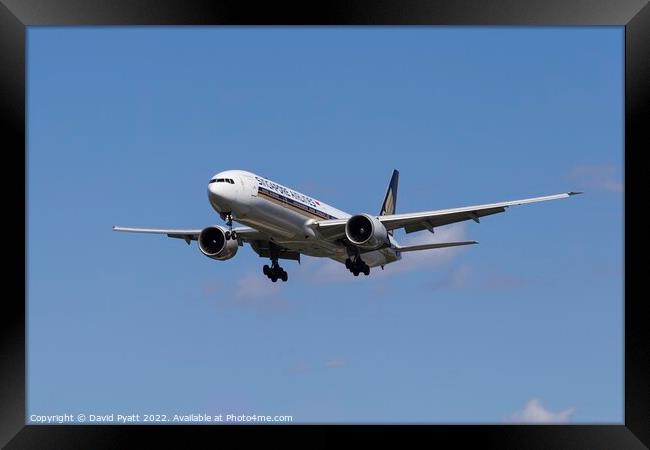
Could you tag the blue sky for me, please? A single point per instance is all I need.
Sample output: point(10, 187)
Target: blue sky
point(127, 125)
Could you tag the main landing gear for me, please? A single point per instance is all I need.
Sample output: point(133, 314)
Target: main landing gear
point(357, 266)
point(229, 234)
point(275, 272)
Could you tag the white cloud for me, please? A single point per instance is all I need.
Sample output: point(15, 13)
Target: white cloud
point(436, 257)
point(254, 285)
point(534, 412)
point(253, 292)
point(604, 177)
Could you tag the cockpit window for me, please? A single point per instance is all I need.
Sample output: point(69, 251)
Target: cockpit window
point(222, 180)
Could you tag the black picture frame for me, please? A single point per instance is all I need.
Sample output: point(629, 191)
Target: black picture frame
point(634, 15)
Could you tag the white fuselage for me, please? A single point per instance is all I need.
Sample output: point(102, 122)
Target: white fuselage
point(284, 215)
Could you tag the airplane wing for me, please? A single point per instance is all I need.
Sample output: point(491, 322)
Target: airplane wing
point(244, 233)
point(428, 220)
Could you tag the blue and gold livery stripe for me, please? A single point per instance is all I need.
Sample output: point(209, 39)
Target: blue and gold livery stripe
point(262, 191)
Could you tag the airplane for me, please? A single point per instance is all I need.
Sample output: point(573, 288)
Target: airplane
point(282, 223)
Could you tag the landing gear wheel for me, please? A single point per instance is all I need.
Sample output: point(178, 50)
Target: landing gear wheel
point(357, 266)
point(227, 234)
point(233, 235)
point(275, 272)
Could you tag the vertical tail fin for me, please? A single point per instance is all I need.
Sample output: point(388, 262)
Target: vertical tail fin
point(390, 201)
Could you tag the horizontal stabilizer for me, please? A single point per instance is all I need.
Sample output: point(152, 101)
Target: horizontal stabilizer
point(413, 248)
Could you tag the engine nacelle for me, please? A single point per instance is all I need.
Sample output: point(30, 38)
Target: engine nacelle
point(366, 231)
point(213, 243)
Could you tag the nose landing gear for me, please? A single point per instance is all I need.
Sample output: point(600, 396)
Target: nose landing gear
point(229, 234)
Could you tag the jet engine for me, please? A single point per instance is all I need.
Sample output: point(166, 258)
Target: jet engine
point(366, 231)
point(213, 243)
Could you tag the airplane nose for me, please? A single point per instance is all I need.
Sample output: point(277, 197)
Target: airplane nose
point(213, 190)
point(218, 197)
